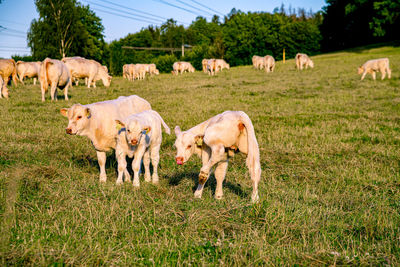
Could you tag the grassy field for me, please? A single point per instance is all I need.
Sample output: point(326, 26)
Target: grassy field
point(329, 194)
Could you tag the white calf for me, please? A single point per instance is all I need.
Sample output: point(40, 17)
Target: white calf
point(217, 139)
point(139, 137)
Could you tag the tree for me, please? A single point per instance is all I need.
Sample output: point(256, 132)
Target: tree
point(65, 28)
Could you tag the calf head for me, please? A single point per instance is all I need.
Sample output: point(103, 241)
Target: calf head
point(360, 69)
point(107, 80)
point(134, 131)
point(311, 64)
point(185, 144)
point(78, 119)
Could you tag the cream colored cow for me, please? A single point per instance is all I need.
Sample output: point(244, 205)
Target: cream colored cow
point(215, 141)
point(258, 62)
point(374, 65)
point(204, 64)
point(125, 71)
point(87, 68)
point(140, 71)
point(97, 122)
point(55, 73)
point(181, 67)
point(7, 69)
point(302, 60)
point(221, 64)
point(139, 137)
point(28, 69)
point(211, 67)
point(269, 63)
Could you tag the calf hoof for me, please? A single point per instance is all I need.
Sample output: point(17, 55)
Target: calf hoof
point(203, 177)
point(136, 184)
point(119, 182)
point(103, 178)
point(147, 179)
point(255, 198)
point(197, 194)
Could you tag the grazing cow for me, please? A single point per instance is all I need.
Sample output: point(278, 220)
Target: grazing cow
point(204, 65)
point(221, 64)
point(139, 137)
point(55, 73)
point(7, 69)
point(140, 71)
point(181, 67)
point(87, 68)
point(303, 60)
point(269, 63)
point(28, 69)
point(211, 67)
point(97, 122)
point(258, 62)
point(3, 88)
point(374, 65)
point(215, 141)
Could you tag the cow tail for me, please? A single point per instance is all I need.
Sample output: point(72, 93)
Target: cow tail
point(253, 152)
point(166, 128)
point(44, 74)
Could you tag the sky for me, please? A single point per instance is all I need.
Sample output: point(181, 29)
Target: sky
point(121, 17)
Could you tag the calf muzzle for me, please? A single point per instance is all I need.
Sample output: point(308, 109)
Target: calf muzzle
point(179, 160)
point(68, 130)
point(134, 142)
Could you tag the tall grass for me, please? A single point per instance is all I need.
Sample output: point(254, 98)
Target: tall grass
point(330, 189)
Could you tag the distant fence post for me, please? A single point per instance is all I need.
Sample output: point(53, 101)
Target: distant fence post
point(283, 55)
point(183, 50)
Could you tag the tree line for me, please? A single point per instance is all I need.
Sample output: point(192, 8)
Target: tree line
point(68, 28)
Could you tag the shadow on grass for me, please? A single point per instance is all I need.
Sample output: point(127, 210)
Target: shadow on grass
point(176, 178)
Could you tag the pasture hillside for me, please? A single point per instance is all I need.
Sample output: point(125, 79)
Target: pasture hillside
point(329, 194)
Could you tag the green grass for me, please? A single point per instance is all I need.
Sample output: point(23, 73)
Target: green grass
point(330, 189)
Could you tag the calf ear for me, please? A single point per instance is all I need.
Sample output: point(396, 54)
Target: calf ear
point(177, 130)
point(64, 112)
point(88, 113)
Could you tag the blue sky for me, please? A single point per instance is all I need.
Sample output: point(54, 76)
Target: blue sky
point(16, 16)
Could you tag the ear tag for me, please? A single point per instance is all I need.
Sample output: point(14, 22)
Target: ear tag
point(119, 127)
point(199, 142)
point(146, 131)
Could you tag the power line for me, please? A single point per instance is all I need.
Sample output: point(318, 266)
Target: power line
point(16, 47)
point(10, 34)
point(120, 15)
point(12, 30)
point(139, 11)
point(200, 4)
point(169, 4)
point(121, 11)
point(196, 8)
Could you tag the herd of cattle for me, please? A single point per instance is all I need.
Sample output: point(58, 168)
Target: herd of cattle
point(62, 73)
point(133, 129)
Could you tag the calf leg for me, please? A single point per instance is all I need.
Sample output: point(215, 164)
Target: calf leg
point(101, 158)
point(43, 92)
point(373, 75)
point(205, 156)
point(220, 172)
point(217, 155)
point(136, 165)
point(146, 163)
point(34, 81)
point(389, 71)
point(21, 78)
point(89, 82)
point(383, 74)
point(255, 175)
point(155, 158)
